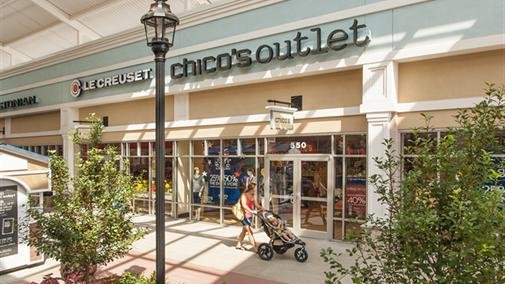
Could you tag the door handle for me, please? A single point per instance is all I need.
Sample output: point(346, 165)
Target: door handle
point(292, 198)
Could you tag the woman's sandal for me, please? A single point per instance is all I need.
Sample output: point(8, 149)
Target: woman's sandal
point(241, 247)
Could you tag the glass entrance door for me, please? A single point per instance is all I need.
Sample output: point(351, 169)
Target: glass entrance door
point(282, 192)
point(299, 193)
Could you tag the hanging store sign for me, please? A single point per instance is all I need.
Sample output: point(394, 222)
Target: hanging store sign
point(20, 102)
point(336, 41)
point(8, 221)
point(281, 118)
point(76, 87)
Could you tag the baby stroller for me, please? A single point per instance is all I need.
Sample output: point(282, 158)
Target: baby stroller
point(278, 243)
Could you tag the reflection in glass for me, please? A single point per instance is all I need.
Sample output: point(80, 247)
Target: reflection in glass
point(261, 146)
point(337, 229)
point(248, 146)
point(314, 179)
point(352, 230)
point(132, 147)
point(284, 210)
point(355, 189)
point(213, 147)
point(168, 182)
point(281, 183)
point(213, 169)
point(199, 147)
point(338, 194)
point(207, 214)
point(313, 215)
point(230, 147)
point(235, 178)
point(144, 148)
point(339, 144)
point(261, 178)
point(314, 185)
point(355, 144)
point(209, 173)
point(281, 175)
point(229, 218)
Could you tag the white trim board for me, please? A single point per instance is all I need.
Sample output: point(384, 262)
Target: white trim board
point(433, 105)
point(318, 20)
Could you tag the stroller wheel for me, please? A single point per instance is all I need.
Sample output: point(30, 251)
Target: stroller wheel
point(265, 251)
point(301, 254)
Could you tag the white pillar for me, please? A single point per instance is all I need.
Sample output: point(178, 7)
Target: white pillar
point(67, 118)
point(380, 85)
point(7, 125)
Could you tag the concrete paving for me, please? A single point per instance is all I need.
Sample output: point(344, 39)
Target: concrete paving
point(204, 253)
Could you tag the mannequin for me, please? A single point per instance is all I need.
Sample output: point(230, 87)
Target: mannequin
point(198, 187)
point(250, 177)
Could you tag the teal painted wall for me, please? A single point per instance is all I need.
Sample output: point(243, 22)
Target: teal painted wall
point(426, 23)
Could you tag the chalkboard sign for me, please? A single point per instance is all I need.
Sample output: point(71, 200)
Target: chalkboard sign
point(8, 221)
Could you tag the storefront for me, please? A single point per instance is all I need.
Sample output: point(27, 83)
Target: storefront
point(357, 73)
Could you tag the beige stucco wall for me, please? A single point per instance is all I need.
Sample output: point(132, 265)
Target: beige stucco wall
point(36, 122)
point(441, 119)
point(35, 141)
point(338, 89)
point(133, 112)
point(301, 127)
point(450, 77)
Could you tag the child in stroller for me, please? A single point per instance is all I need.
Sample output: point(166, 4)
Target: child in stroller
point(281, 239)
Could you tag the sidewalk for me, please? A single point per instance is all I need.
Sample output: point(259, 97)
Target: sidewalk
point(204, 253)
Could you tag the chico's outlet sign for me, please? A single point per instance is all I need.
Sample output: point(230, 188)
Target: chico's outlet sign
point(336, 40)
point(76, 87)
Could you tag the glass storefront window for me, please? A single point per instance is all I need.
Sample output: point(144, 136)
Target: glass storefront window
point(248, 146)
point(199, 147)
point(144, 148)
point(339, 192)
point(213, 147)
point(210, 171)
point(169, 149)
point(355, 188)
point(260, 178)
point(300, 145)
point(132, 148)
point(339, 144)
point(236, 177)
point(355, 144)
point(261, 146)
point(230, 147)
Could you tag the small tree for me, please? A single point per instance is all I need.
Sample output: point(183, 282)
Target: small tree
point(90, 224)
point(445, 225)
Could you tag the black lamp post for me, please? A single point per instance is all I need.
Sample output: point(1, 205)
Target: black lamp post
point(158, 23)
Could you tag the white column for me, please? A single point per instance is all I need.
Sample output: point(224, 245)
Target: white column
point(181, 106)
point(380, 85)
point(67, 118)
point(7, 125)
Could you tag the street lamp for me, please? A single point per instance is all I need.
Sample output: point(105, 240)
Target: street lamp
point(158, 23)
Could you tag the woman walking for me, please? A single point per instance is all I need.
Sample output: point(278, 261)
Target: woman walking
point(250, 205)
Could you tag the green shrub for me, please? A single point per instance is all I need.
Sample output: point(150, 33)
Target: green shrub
point(90, 223)
point(446, 224)
point(132, 278)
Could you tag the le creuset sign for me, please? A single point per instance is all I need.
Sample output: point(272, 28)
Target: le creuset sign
point(335, 41)
point(76, 87)
point(19, 102)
